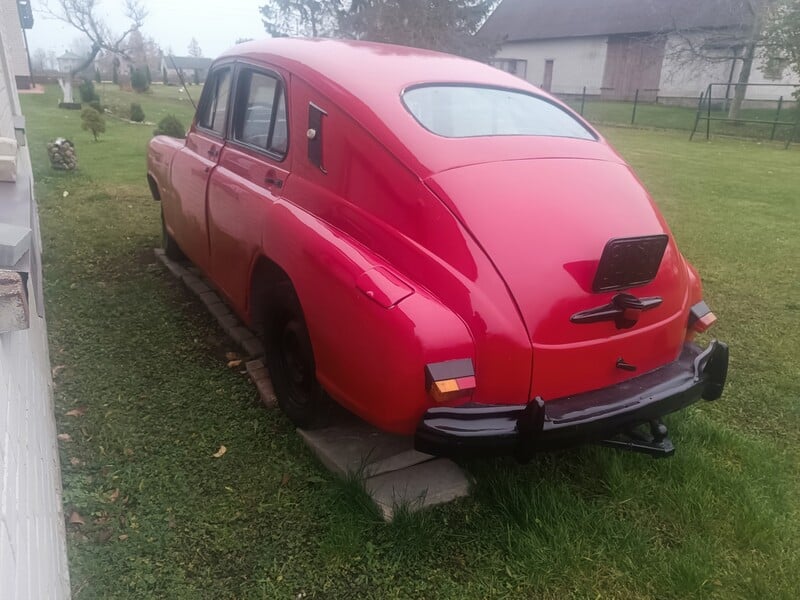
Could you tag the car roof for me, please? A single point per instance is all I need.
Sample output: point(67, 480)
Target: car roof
point(367, 79)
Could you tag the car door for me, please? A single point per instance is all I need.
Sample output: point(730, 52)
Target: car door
point(249, 179)
point(194, 163)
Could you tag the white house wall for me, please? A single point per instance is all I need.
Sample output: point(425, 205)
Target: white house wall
point(578, 62)
point(683, 78)
point(33, 558)
point(789, 79)
point(15, 41)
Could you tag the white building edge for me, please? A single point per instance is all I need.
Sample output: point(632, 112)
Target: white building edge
point(33, 558)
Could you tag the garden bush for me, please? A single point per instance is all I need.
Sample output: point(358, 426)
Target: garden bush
point(137, 114)
point(87, 92)
point(92, 121)
point(171, 126)
point(139, 81)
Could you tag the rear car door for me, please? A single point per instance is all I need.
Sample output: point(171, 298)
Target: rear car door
point(193, 165)
point(250, 178)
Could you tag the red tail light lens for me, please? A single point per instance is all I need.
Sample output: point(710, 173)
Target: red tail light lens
point(450, 380)
point(701, 319)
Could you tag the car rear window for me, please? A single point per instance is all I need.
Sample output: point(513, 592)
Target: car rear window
point(460, 111)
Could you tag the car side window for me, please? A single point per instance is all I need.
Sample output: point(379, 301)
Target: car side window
point(214, 103)
point(260, 114)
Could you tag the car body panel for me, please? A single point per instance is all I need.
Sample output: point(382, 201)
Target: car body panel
point(522, 212)
point(407, 248)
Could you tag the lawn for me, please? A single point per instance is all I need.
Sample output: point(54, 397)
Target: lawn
point(661, 116)
point(144, 393)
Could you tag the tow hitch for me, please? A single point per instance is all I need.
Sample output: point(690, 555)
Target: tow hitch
point(657, 444)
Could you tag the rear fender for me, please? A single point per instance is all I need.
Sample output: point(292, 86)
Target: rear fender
point(372, 334)
point(160, 152)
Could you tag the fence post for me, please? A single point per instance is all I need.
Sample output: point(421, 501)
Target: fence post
point(777, 117)
point(708, 120)
point(792, 135)
point(697, 116)
point(635, 104)
point(583, 100)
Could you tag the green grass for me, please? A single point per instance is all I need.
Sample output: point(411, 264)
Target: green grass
point(164, 519)
point(660, 116)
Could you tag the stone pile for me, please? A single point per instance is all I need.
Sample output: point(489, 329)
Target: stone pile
point(62, 155)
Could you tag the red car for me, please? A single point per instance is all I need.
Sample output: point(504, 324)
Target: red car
point(440, 247)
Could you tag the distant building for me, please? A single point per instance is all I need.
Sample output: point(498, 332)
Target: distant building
point(615, 47)
point(193, 69)
point(15, 18)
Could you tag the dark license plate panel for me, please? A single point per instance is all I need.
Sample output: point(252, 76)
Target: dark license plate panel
point(629, 262)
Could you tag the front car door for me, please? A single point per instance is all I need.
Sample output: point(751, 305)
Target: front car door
point(249, 179)
point(193, 165)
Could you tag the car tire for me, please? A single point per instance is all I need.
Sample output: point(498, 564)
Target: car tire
point(290, 361)
point(168, 243)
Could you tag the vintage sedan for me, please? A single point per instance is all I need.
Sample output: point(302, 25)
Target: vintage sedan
point(438, 246)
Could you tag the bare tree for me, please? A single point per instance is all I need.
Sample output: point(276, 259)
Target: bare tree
point(39, 60)
point(194, 48)
point(301, 18)
point(82, 15)
point(446, 25)
point(734, 45)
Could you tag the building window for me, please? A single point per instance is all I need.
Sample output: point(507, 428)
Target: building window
point(515, 66)
point(774, 68)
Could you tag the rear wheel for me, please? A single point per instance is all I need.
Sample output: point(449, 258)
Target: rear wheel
point(290, 360)
point(168, 243)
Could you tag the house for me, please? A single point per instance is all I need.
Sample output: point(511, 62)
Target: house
point(669, 50)
point(193, 69)
point(33, 552)
point(15, 18)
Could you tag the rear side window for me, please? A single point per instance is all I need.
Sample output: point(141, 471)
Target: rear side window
point(460, 111)
point(260, 115)
point(214, 103)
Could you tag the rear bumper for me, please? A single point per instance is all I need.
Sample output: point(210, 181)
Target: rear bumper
point(485, 430)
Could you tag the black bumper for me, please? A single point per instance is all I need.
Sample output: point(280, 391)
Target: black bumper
point(484, 430)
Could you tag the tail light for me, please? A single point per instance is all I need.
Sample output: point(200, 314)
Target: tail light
point(450, 380)
point(701, 319)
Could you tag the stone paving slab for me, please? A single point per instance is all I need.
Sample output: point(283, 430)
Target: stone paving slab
point(427, 484)
point(393, 472)
point(260, 376)
point(351, 446)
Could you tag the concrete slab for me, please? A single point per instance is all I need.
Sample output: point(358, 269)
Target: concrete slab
point(240, 334)
point(198, 286)
point(253, 347)
point(423, 485)
point(351, 446)
point(260, 376)
point(219, 310)
point(228, 322)
point(394, 474)
point(208, 298)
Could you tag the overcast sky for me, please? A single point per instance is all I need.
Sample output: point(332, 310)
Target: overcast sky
point(216, 24)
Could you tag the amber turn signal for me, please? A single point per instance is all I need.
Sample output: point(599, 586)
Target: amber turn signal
point(450, 380)
point(701, 319)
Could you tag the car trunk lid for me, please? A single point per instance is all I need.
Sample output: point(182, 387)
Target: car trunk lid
point(545, 223)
